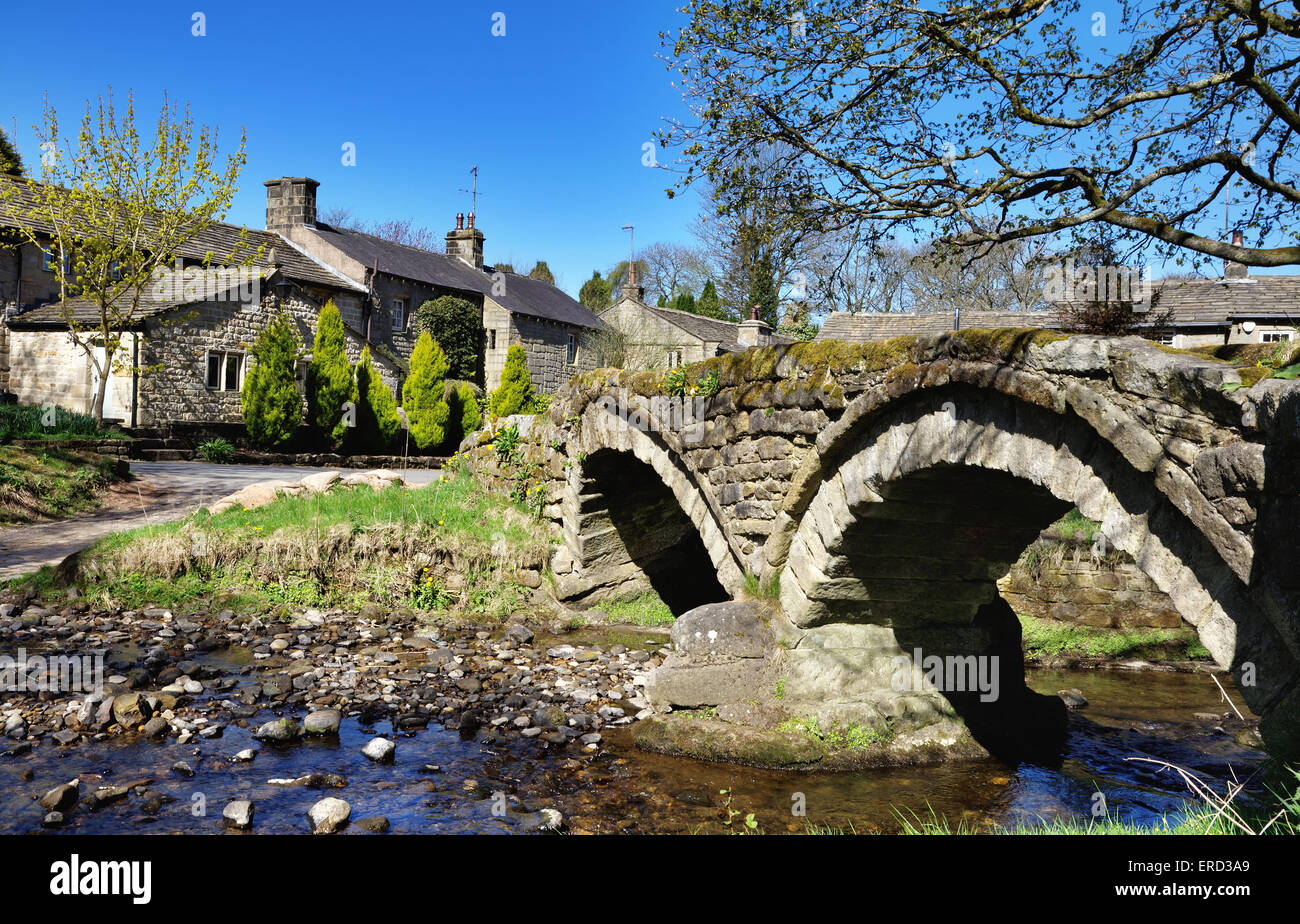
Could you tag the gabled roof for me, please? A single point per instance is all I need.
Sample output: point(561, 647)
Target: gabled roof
point(523, 295)
point(82, 312)
point(868, 326)
point(226, 243)
point(725, 333)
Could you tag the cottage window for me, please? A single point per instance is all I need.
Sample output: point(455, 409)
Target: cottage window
point(1165, 340)
point(1277, 336)
point(573, 350)
point(674, 359)
point(399, 314)
point(492, 339)
point(225, 371)
point(49, 262)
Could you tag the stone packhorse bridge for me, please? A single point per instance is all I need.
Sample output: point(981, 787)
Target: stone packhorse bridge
point(885, 487)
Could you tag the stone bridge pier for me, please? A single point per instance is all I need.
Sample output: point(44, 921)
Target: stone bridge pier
point(872, 494)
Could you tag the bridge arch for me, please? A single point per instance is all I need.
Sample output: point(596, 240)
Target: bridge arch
point(633, 514)
point(924, 503)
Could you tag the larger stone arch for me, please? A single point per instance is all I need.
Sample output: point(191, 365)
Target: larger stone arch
point(839, 620)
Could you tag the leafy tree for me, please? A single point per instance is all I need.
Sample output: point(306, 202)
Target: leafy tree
point(457, 325)
point(763, 292)
point(541, 271)
point(270, 402)
point(661, 303)
point(116, 215)
point(982, 124)
point(504, 268)
point(329, 375)
point(709, 305)
point(422, 393)
point(618, 275)
point(685, 302)
point(595, 292)
point(515, 393)
point(10, 163)
point(377, 420)
point(465, 416)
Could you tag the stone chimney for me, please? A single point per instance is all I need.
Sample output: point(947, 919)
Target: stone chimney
point(465, 241)
point(754, 332)
point(1231, 268)
point(290, 202)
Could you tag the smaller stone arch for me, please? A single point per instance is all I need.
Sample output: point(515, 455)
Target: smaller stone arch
point(595, 508)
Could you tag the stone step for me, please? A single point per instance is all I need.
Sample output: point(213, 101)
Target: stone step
point(162, 455)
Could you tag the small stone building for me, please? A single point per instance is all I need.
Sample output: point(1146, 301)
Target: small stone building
point(664, 338)
point(549, 324)
point(185, 353)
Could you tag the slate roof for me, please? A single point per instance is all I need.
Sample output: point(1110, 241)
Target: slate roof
point(1189, 302)
point(523, 295)
point(222, 240)
point(82, 312)
point(883, 325)
point(725, 333)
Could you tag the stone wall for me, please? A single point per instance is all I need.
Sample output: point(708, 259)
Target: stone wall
point(1068, 583)
point(546, 343)
point(650, 337)
point(45, 366)
point(496, 330)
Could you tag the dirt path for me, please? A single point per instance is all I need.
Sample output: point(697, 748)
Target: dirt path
point(161, 491)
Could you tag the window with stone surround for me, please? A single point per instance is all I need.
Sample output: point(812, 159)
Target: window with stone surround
point(674, 358)
point(492, 339)
point(1276, 336)
point(399, 314)
point(225, 370)
point(572, 356)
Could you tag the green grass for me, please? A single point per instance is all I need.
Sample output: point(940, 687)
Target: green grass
point(1074, 525)
point(26, 422)
point(398, 547)
point(762, 590)
point(849, 738)
point(1044, 639)
point(645, 609)
point(51, 483)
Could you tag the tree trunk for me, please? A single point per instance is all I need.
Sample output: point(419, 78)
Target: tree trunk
point(103, 385)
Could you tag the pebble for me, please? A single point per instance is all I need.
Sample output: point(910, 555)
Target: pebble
point(238, 814)
point(380, 750)
point(328, 815)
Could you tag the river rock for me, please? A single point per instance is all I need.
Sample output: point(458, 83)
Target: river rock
point(62, 798)
point(131, 709)
point(156, 727)
point(238, 814)
point(322, 722)
point(328, 815)
point(1073, 698)
point(377, 824)
point(380, 750)
point(280, 731)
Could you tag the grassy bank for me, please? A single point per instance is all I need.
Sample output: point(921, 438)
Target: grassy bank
point(51, 483)
point(445, 548)
point(1045, 640)
point(31, 422)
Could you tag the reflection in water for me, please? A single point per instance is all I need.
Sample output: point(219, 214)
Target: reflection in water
point(1129, 714)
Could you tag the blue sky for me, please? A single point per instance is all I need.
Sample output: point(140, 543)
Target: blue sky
point(555, 112)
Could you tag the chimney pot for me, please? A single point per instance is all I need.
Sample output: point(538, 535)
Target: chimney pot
point(460, 221)
point(753, 313)
point(1231, 268)
point(470, 223)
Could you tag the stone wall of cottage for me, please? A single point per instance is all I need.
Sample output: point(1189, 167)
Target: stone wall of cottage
point(650, 338)
point(547, 346)
point(177, 346)
point(496, 342)
point(46, 366)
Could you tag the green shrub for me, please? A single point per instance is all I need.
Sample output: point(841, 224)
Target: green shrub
point(27, 422)
point(377, 420)
point(516, 390)
point(423, 394)
point(329, 377)
point(216, 450)
point(271, 405)
point(465, 416)
point(457, 326)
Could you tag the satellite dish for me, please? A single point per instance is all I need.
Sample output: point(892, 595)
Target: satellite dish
point(1248, 326)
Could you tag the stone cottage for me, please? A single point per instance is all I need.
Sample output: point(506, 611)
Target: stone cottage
point(516, 309)
point(665, 338)
point(184, 356)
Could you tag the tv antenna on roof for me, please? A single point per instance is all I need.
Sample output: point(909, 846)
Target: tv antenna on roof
point(473, 207)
